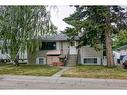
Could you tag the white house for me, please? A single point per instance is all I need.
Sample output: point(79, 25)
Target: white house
point(55, 46)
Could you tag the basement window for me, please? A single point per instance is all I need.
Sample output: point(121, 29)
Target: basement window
point(40, 60)
point(90, 60)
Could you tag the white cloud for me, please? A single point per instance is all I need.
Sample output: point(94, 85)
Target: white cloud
point(59, 13)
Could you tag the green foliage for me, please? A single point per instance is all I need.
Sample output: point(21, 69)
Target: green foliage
point(93, 21)
point(120, 39)
point(97, 25)
point(19, 25)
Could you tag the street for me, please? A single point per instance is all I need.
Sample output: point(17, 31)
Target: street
point(34, 82)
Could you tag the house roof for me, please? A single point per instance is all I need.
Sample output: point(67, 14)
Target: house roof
point(122, 47)
point(57, 37)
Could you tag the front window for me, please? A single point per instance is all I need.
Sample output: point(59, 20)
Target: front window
point(48, 46)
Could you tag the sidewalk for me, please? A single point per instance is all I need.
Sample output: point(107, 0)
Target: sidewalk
point(39, 82)
point(58, 74)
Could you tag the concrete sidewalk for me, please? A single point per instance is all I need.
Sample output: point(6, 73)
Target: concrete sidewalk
point(39, 82)
point(58, 74)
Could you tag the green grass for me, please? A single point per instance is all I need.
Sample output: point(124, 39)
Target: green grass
point(96, 72)
point(36, 70)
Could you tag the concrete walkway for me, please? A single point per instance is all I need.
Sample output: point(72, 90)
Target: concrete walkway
point(39, 82)
point(58, 74)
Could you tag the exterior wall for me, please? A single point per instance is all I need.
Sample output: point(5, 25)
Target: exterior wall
point(59, 45)
point(89, 52)
point(42, 53)
point(32, 58)
point(63, 45)
point(73, 50)
point(123, 52)
point(85, 52)
point(51, 59)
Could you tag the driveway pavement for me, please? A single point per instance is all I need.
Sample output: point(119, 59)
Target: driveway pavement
point(37, 82)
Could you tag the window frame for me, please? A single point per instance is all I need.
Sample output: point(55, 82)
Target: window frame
point(38, 59)
point(92, 63)
point(48, 45)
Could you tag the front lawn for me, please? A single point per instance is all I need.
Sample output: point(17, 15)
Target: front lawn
point(36, 70)
point(96, 72)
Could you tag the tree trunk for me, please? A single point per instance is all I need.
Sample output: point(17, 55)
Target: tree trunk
point(109, 53)
point(17, 60)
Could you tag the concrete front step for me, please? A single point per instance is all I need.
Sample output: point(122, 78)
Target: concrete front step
point(72, 60)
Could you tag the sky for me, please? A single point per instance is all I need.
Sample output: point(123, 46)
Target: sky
point(59, 13)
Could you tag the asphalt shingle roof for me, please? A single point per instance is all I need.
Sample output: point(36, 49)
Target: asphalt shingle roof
point(58, 37)
point(122, 47)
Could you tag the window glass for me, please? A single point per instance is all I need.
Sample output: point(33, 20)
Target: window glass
point(41, 60)
point(90, 60)
point(48, 46)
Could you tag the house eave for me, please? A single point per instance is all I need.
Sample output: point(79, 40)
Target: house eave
point(122, 47)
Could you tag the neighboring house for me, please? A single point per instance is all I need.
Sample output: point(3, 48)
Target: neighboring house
point(5, 55)
point(123, 52)
point(57, 47)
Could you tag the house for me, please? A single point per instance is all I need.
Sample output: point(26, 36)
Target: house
point(122, 51)
point(57, 48)
point(5, 55)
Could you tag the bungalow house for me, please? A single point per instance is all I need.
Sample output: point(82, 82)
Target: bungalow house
point(57, 48)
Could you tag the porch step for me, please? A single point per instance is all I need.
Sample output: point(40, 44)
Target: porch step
point(72, 60)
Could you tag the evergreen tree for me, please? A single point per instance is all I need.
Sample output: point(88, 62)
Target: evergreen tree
point(98, 24)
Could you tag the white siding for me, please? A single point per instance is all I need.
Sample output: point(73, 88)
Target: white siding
point(73, 50)
point(64, 45)
point(57, 45)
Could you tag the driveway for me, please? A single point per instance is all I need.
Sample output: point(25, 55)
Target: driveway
point(37, 82)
